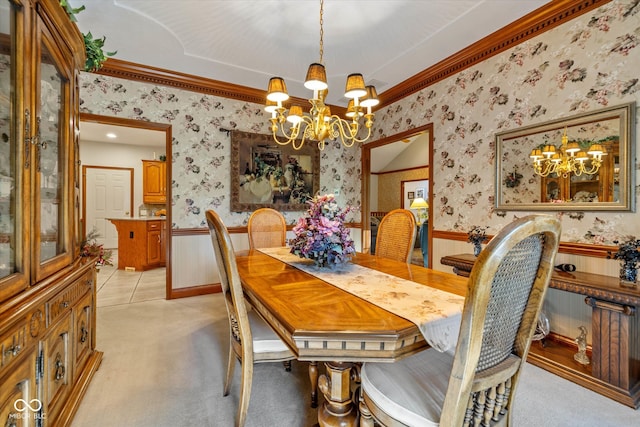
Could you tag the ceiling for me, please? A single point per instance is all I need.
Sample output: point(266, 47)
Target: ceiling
point(247, 42)
point(98, 132)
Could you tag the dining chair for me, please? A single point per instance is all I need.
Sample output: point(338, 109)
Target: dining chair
point(251, 339)
point(267, 229)
point(396, 235)
point(475, 384)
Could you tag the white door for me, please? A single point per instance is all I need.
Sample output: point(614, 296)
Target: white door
point(108, 195)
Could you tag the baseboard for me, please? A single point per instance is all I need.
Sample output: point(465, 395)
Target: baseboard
point(194, 291)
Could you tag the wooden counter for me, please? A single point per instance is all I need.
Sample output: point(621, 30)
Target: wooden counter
point(615, 324)
point(141, 242)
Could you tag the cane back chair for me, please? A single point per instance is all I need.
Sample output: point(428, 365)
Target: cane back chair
point(475, 385)
point(396, 235)
point(267, 229)
point(251, 339)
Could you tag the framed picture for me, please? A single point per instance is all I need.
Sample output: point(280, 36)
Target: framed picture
point(420, 193)
point(411, 195)
point(267, 175)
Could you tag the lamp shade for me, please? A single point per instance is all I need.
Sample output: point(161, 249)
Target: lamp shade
point(419, 203)
point(371, 98)
point(351, 110)
point(355, 86)
point(277, 91)
point(295, 114)
point(316, 77)
point(270, 106)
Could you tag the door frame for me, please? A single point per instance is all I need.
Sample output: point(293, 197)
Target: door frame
point(366, 178)
point(167, 129)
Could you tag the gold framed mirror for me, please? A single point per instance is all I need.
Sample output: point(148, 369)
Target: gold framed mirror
point(556, 165)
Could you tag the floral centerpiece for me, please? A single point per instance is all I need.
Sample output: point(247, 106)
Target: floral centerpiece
point(629, 253)
point(476, 236)
point(321, 235)
point(91, 248)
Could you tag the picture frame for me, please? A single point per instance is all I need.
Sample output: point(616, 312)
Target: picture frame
point(267, 175)
point(411, 195)
point(420, 193)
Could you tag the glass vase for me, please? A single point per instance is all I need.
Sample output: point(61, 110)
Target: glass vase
point(477, 248)
point(628, 273)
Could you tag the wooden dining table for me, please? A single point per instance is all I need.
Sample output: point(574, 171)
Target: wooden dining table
point(321, 322)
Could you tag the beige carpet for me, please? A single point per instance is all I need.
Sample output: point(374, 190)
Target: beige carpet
point(164, 365)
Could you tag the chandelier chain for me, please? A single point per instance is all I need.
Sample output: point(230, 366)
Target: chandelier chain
point(318, 124)
point(321, 31)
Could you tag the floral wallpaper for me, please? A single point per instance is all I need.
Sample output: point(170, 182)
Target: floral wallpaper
point(583, 65)
point(201, 150)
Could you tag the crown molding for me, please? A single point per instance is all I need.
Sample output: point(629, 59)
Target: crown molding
point(540, 20)
point(145, 73)
point(533, 24)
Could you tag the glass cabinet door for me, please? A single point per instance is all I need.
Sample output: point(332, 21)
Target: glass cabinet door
point(50, 151)
point(13, 277)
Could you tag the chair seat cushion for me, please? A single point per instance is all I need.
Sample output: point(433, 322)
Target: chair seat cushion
point(265, 340)
point(411, 390)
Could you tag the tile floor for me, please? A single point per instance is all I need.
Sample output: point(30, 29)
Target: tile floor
point(116, 287)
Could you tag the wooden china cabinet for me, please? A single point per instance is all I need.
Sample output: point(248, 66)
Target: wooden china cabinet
point(47, 292)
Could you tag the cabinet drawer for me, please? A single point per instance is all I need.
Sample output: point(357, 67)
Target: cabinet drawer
point(12, 345)
point(153, 225)
point(62, 302)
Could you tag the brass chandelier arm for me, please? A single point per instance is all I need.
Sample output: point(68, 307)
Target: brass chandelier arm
point(565, 167)
point(320, 130)
point(349, 130)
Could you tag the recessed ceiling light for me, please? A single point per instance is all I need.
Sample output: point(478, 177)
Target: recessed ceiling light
point(111, 135)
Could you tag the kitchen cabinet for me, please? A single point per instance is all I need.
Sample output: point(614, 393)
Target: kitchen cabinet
point(42, 276)
point(141, 242)
point(154, 182)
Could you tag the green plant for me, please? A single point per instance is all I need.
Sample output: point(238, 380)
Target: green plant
point(93, 47)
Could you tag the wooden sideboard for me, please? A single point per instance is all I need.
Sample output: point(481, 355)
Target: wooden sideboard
point(615, 350)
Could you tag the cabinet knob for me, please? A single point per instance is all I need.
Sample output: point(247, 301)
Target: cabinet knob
point(60, 369)
point(84, 333)
point(64, 304)
point(13, 350)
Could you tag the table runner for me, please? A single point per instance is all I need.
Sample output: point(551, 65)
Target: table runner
point(436, 313)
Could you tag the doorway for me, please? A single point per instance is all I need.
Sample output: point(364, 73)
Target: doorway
point(107, 192)
point(370, 163)
point(137, 140)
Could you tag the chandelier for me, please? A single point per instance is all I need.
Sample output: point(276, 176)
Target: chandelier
point(567, 159)
point(319, 124)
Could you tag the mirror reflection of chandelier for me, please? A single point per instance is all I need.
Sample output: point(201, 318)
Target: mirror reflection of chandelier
point(319, 124)
point(566, 160)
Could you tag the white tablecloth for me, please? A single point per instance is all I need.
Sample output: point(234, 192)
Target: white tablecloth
point(437, 313)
